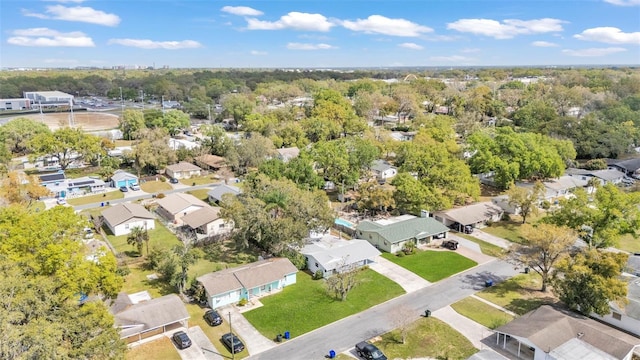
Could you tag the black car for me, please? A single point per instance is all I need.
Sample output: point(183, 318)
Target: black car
point(124, 188)
point(173, 180)
point(212, 318)
point(181, 339)
point(232, 343)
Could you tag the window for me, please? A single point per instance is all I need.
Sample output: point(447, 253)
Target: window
point(316, 264)
point(126, 226)
point(616, 316)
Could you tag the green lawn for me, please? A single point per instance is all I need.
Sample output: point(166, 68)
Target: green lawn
point(520, 294)
point(481, 313)
point(508, 230)
point(107, 196)
point(306, 305)
point(485, 247)
point(200, 194)
point(214, 333)
point(159, 237)
point(432, 265)
point(155, 186)
point(200, 180)
point(427, 337)
point(629, 243)
point(161, 349)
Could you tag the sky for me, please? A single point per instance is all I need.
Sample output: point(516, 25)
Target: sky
point(318, 34)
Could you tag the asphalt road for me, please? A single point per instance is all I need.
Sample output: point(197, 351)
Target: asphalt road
point(345, 333)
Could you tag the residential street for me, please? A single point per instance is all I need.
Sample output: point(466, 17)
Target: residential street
point(345, 333)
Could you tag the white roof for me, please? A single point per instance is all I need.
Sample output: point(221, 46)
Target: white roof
point(331, 251)
point(122, 175)
point(576, 349)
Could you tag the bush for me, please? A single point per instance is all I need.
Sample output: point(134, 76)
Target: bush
point(506, 216)
point(318, 275)
point(545, 205)
point(123, 271)
point(160, 196)
point(242, 302)
point(400, 254)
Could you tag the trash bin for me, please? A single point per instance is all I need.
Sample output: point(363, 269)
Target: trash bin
point(279, 338)
point(332, 354)
point(101, 204)
point(287, 335)
point(526, 270)
point(427, 313)
point(488, 283)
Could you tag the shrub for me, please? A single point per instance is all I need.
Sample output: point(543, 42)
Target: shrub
point(242, 302)
point(318, 275)
point(160, 196)
point(123, 271)
point(400, 254)
point(545, 205)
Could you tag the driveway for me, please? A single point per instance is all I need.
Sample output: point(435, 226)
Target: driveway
point(207, 350)
point(409, 281)
point(253, 340)
point(467, 327)
point(193, 352)
point(491, 239)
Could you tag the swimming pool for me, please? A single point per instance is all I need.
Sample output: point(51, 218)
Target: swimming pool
point(345, 223)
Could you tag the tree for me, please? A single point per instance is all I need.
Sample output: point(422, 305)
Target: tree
point(526, 199)
point(402, 317)
point(251, 152)
point(545, 245)
point(175, 120)
point(340, 283)
point(411, 196)
point(375, 197)
point(330, 105)
point(600, 222)
point(238, 106)
point(67, 144)
point(137, 237)
point(18, 188)
point(216, 139)
point(16, 134)
point(589, 281)
point(152, 152)
point(186, 256)
point(131, 123)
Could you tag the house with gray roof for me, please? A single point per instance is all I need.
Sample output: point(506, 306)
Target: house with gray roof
point(256, 279)
point(551, 333)
point(140, 317)
point(121, 218)
point(182, 170)
point(475, 215)
point(383, 170)
point(630, 167)
point(122, 178)
point(174, 206)
point(207, 222)
point(612, 176)
point(330, 254)
point(286, 154)
point(215, 194)
point(392, 234)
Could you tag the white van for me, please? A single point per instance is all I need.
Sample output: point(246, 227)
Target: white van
point(134, 187)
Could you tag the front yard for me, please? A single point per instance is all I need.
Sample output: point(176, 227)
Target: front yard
point(306, 305)
point(432, 265)
point(481, 313)
point(91, 199)
point(520, 294)
point(155, 186)
point(161, 349)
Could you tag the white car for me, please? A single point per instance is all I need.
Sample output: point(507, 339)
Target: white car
point(61, 201)
point(134, 187)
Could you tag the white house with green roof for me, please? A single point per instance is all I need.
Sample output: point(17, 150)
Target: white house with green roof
point(392, 234)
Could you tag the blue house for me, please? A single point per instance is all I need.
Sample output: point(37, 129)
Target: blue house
point(257, 279)
point(122, 178)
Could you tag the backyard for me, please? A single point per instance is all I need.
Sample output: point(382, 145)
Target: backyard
point(159, 237)
point(432, 265)
point(520, 294)
point(306, 305)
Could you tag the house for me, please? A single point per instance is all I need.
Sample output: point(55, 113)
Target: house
point(173, 207)
point(556, 189)
point(122, 178)
point(403, 135)
point(139, 317)
point(215, 195)
point(85, 184)
point(630, 167)
point(391, 235)
point(207, 222)
point(182, 170)
point(609, 176)
point(382, 170)
point(53, 178)
point(286, 154)
point(123, 217)
point(177, 144)
point(330, 254)
point(259, 278)
point(627, 316)
point(550, 333)
point(211, 162)
point(476, 215)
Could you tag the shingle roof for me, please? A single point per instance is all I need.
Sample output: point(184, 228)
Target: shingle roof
point(550, 328)
point(201, 217)
point(122, 175)
point(183, 166)
point(247, 276)
point(380, 166)
point(331, 252)
point(608, 175)
point(151, 314)
point(288, 153)
point(175, 203)
point(120, 213)
point(472, 214)
point(217, 192)
point(212, 160)
point(406, 228)
point(631, 165)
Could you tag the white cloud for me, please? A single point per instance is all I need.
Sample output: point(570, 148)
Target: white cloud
point(609, 35)
point(76, 13)
point(544, 44)
point(411, 46)
point(470, 50)
point(150, 44)
point(593, 52)
point(377, 24)
point(45, 37)
point(301, 46)
point(623, 2)
point(506, 29)
point(241, 10)
point(257, 52)
point(293, 20)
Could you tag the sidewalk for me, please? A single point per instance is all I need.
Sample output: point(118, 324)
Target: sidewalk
point(467, 327)
point(409, 281)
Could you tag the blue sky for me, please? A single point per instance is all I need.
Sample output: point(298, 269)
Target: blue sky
point(319, 34)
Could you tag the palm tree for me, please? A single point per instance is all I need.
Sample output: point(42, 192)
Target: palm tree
point(137, 237)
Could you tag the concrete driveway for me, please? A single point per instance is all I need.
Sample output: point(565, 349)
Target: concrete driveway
point(199, 338)
point(409, 281)
point(491, 239)
point(253, 340)
point(193, 352)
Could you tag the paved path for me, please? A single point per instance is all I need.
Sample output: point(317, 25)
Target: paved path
point(254, 341)
point(491, 239)
point(409, 281)
point(208, 351)
point(467, 327)
point(494, 305)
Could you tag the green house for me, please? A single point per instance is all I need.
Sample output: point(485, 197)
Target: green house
point(392, 234)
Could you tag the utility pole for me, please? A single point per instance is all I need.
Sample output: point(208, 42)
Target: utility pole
point(121, 100)
point(233, 352)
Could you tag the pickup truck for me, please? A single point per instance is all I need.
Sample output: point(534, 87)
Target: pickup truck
point(369, 351)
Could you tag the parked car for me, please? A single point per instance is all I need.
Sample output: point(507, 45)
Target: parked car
point(450, 244)
point(134, 187)
point(124, 189)
point(212, 318)
point(369, 351)
point(61, 201)
point(173, 180)
point(232, 343)
point(181, 339)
